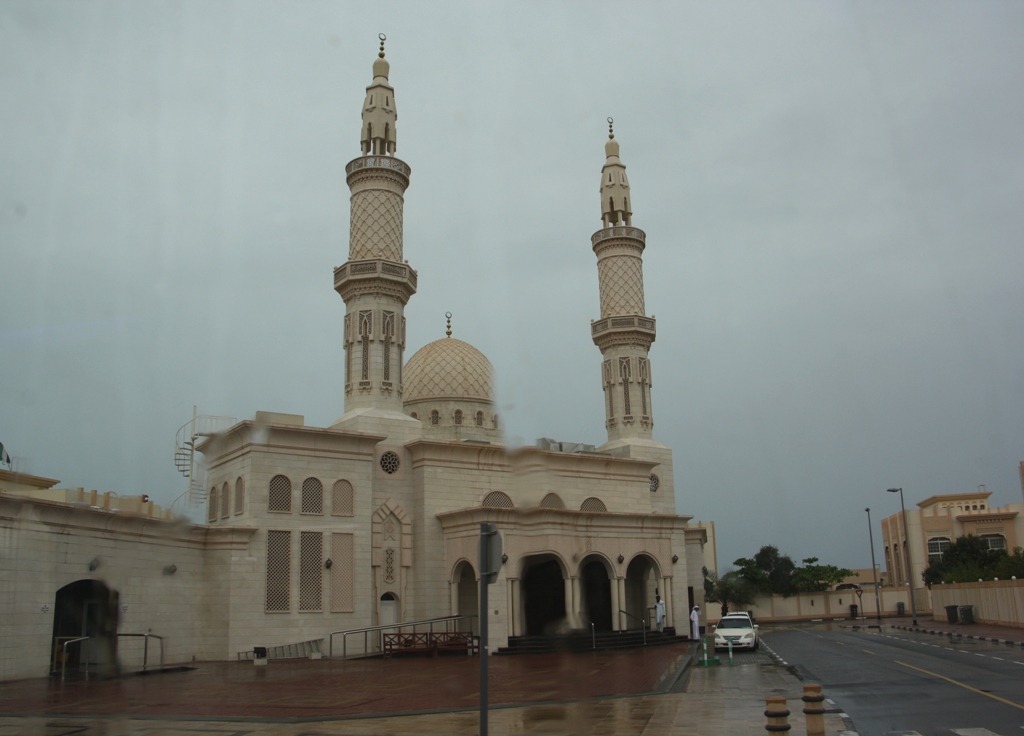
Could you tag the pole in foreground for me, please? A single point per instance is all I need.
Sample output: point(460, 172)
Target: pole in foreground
point(490, 563)
point(874, 571)
point(906, 545)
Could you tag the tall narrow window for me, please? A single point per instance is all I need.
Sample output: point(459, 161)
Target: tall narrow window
point(342, 499)
point(458, 416)
point(642, 365)
point(212, 500)
point(347, 340)
point(479, 419)
point(606, 367)
point(312, 496)
point(311, 560)
point(389, 336)
point(280, 496)
point(279, 563)
point(365, 328)
point(342, 574)
point(435, 417)
point(225, 501)
point(239, 496)
point(624, 374)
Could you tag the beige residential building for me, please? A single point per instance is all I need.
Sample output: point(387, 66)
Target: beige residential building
point(937, 522)
point(375, 519)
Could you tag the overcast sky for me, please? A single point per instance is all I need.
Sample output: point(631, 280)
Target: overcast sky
point(833, 195)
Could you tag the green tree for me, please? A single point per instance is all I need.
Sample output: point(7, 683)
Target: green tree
point(969, 559)
point(814, 578)
point(768, 571)
point(731, 590)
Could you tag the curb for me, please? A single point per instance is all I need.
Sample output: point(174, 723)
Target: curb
point(1011, 642)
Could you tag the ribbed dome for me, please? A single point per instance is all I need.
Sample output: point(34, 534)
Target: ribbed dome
point(448, 369)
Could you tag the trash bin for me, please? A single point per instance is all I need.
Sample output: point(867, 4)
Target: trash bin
point(951, 614)
point(853, 610)
point(901, 609)
point(966, 614)
point(259, 656)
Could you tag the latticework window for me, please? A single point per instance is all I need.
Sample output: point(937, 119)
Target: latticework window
point(593, 504)
point(498, 500)
point(312, 496)
point(435, 417)
point(389, 565)
point(365, 328)
point(389, 336)
point(655, 483)
point(225, 501)
point(342, 573)
point(280, 496)
point(311, 555)
point(348, 351)
point(606, 368)
point(624, 374)
point(389, 462)
point(211, 514)
point(642, 365)
point(552, 501)
point(239, 496)
point(458, 416)
point(479, 419)
point(343, 499)
point(279, 562)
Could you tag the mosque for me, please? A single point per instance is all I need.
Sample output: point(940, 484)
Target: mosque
point(375, 519)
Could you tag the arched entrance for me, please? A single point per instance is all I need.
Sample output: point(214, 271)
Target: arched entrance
point(596, 593)
point(543, 589)
point(641, 583)
point(388, 610)
point(467, 602)
point(85, 608)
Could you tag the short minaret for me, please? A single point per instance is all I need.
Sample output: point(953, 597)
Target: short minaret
point(624, 333)
point(376, 282)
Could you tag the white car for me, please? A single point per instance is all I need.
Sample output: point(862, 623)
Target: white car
point(739, 629)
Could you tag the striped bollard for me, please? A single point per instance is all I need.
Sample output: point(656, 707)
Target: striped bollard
point(813, 710)
point(778, 715)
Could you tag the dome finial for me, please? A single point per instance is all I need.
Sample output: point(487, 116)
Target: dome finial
point(382, 38)
point(448, 316)
point(611, 132)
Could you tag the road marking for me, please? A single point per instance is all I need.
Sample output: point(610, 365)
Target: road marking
point(867, 651)
point(960, 684)
point(979, 655)
point(974, 731)
point(999, 658)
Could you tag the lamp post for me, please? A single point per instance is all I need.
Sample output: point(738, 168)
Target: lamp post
point(874, 572)
point(906, 550)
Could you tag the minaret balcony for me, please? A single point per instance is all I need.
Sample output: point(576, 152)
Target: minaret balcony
point(378, 165)
point(375, 276)
point(623, 330)
point(618, 232)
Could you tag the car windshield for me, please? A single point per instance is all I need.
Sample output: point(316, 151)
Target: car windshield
point(734, 623)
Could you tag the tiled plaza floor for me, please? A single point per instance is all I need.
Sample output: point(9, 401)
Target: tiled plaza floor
point(536, 694)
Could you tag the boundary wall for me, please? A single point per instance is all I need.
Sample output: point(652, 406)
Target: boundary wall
point(995, 601)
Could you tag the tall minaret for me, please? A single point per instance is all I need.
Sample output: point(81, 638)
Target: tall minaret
point(624, 333)
point(376, 282)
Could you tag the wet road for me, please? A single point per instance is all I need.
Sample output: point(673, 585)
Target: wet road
point(894, 681)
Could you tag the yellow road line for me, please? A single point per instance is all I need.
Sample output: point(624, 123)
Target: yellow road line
point(867, 651)
point(965, 687)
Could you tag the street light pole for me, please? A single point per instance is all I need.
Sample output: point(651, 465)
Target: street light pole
point(906, 543)
point(874, 572)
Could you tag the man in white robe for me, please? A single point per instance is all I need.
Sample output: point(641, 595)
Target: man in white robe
point(695, 623)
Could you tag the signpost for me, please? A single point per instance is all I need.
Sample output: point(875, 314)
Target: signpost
point(490, 563)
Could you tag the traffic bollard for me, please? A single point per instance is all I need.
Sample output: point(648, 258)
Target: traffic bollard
point(777, 714)
point(813, 710)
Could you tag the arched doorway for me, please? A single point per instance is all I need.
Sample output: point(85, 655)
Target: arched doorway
point(596, 593)
point(641, 584)
point(388, 610)
point(543, 589)
point(467, 601)
point(85, 608)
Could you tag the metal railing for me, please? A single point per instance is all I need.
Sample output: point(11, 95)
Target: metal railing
point(381, 628)
point(68, 640)
point(643, 624)
point(593, 633)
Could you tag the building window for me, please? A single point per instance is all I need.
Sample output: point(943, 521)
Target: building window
point(593, 504)
point(498, 500)
point(414, 415)
point(435, 418)
point(389, 565)
point(342, 577)
point(279, 562)
point(479, 419)
point(311, 555)
point(389, 336)
point(458, 416)
point(211, 515)
point(552, 501)
point(936, 548)
point(994, 541)
point(312, 496)
point(342, 499)
point(365, 328)
point(655, 483)
point(225, 501)
point(280, 497)
point(239, 496)
point(389, 462)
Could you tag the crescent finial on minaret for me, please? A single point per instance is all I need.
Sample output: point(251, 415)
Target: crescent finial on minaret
point(611, 131)
point(382, 38)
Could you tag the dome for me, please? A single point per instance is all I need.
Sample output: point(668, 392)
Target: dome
point(448, 369)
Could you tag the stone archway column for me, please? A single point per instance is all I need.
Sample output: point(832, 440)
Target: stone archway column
point(620, 583)
point(567, 584)
point(615, 603)
point(666, 584)
point(453, 597)
point(515, 607)
point(576, 603)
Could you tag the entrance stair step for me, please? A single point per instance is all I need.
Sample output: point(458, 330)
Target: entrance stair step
point(581, 641)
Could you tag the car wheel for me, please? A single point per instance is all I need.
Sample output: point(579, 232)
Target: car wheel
point(757, 644)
